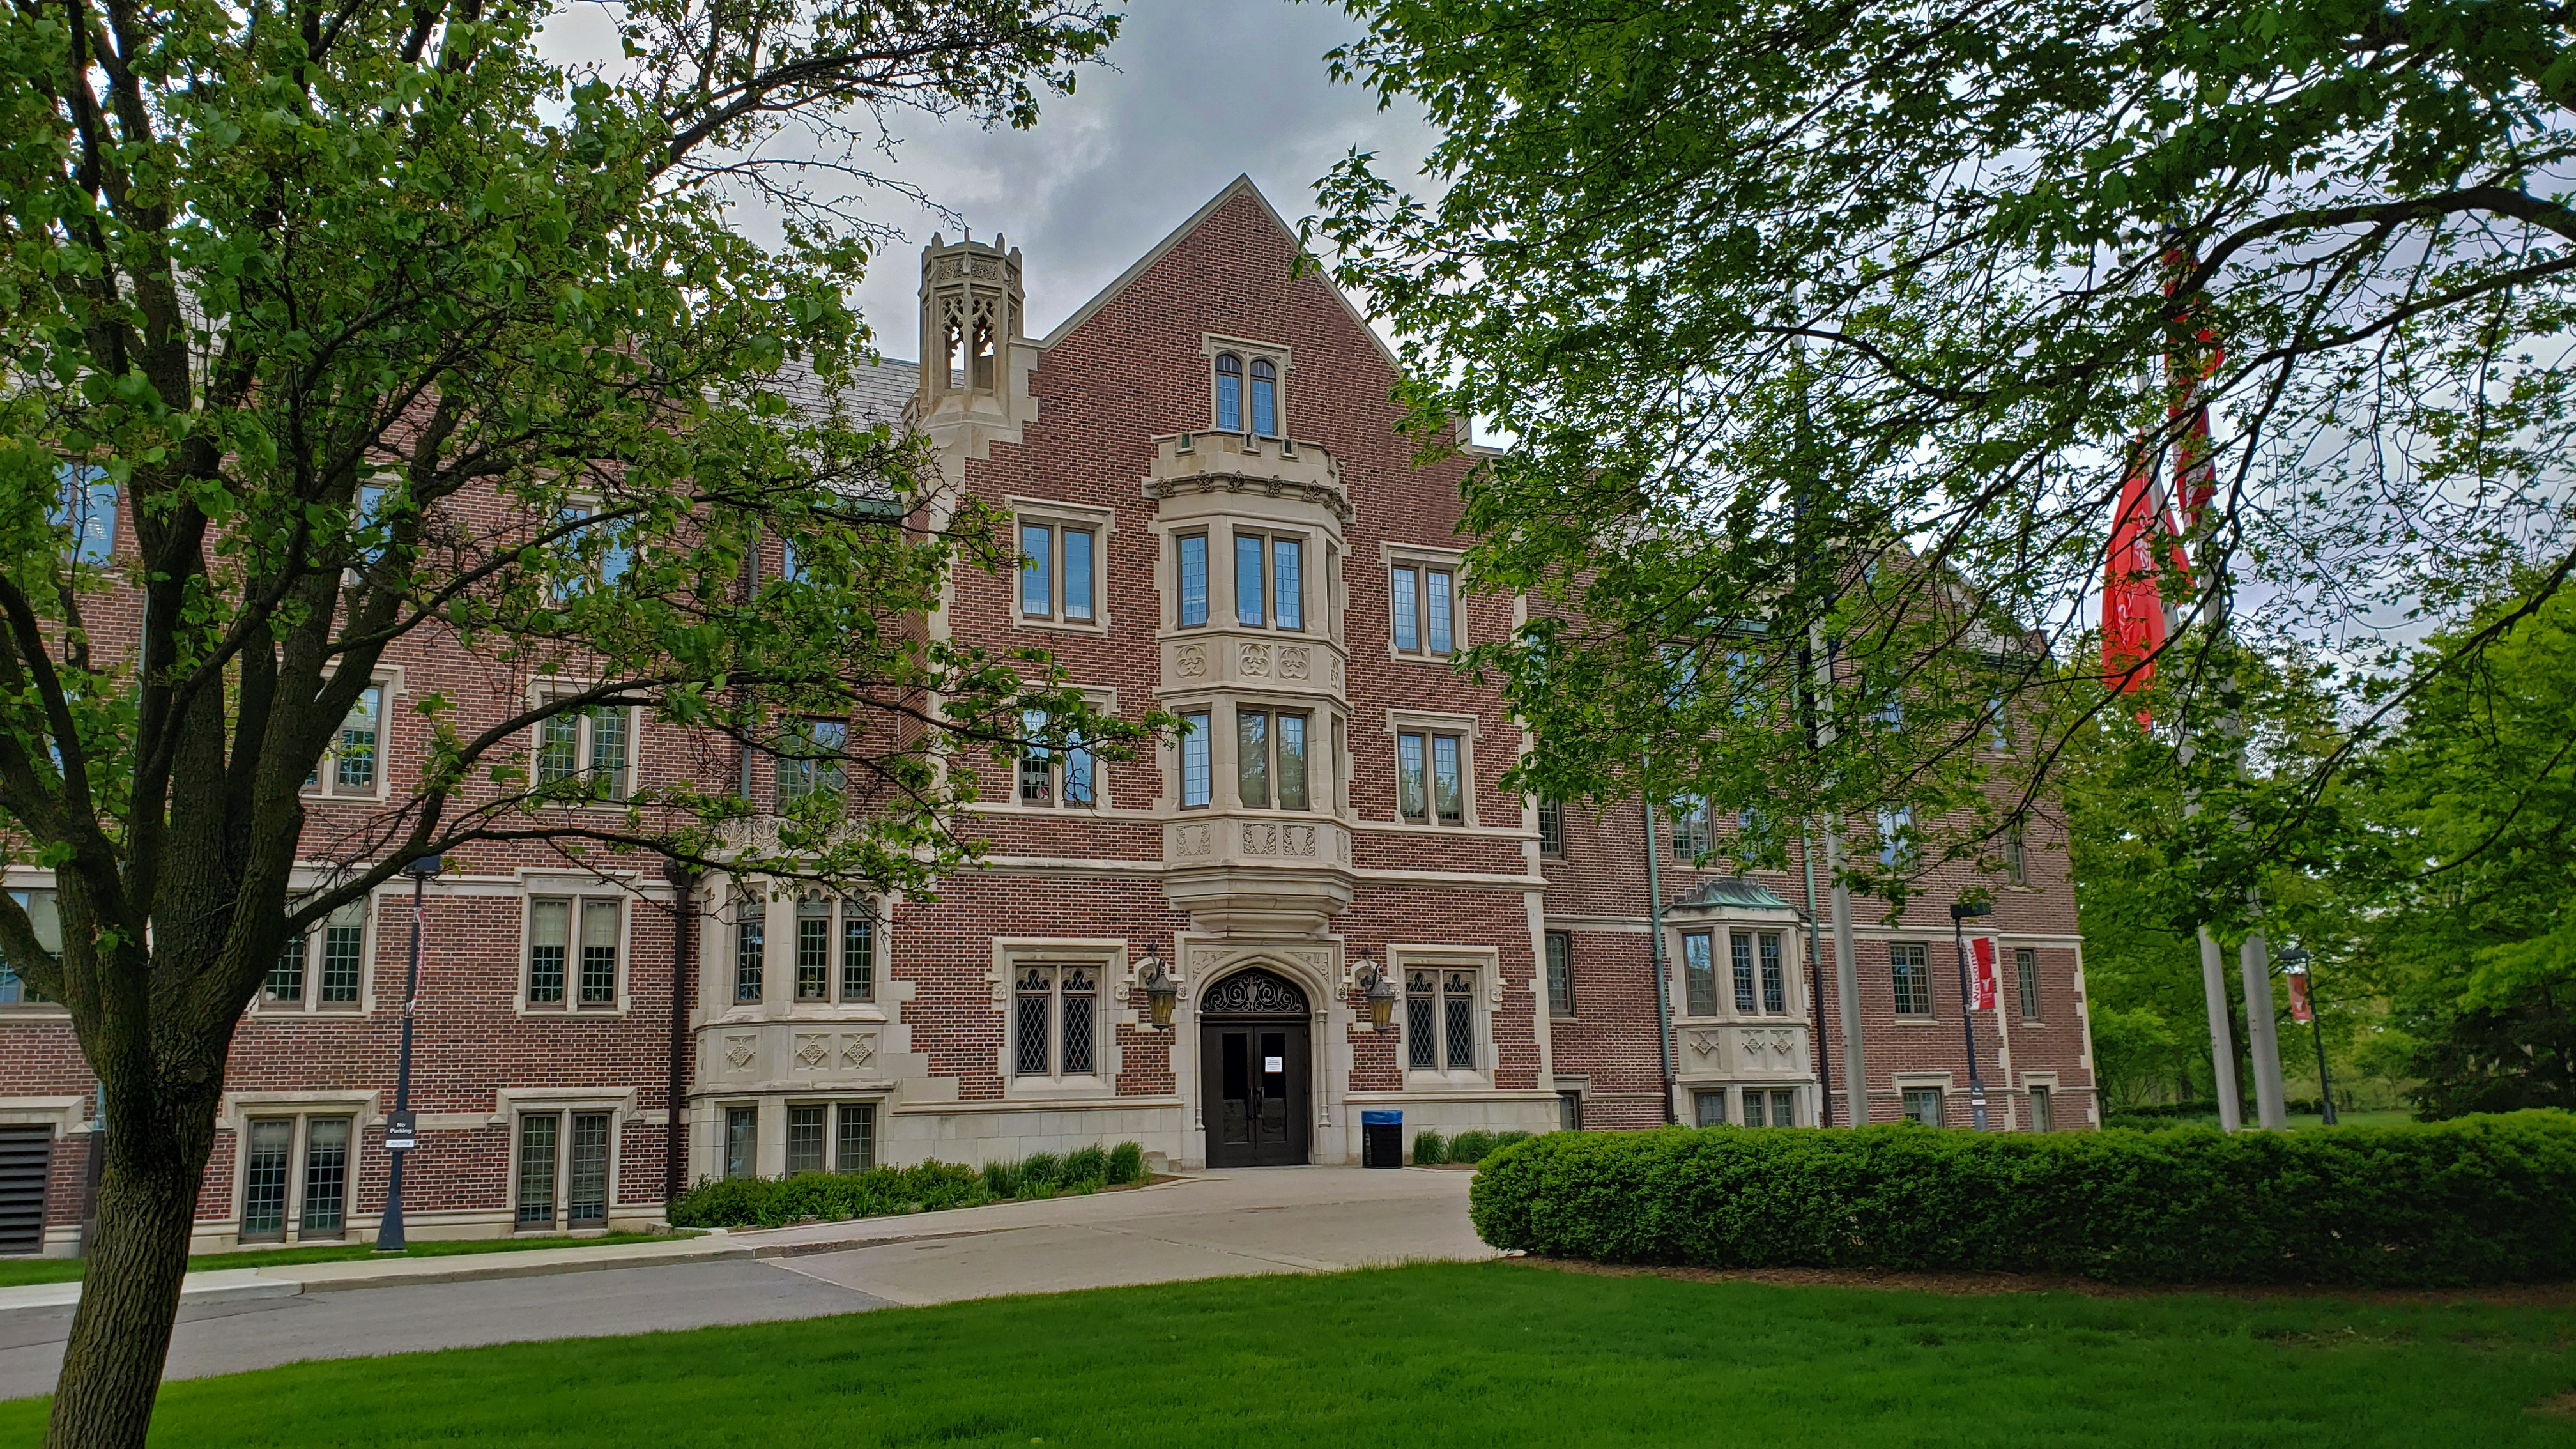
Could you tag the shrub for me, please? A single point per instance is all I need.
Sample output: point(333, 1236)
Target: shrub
point(1002, 1179)
point(772, 1202)
point(1126, 1163)
point(2476, 1200)
point(1040, 1169)
point(1473, 1145)
point(1086, 1164)
point(1429, 1149)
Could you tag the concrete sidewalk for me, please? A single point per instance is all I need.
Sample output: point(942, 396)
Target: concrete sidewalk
point(1212, 1225)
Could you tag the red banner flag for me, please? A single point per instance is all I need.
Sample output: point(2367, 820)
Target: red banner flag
point(2300, 1009)
point(1981, 950)
point(2133, 612)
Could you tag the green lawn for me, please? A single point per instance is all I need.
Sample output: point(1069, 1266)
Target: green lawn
point(17, 1271)
point(1479, 1356)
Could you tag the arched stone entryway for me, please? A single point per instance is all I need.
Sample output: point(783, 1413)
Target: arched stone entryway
point(1256, 1070)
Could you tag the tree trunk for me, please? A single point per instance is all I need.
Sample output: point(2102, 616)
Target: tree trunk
point(129, 1296)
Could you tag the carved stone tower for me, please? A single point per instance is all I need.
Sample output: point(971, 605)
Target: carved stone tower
point(975, 351)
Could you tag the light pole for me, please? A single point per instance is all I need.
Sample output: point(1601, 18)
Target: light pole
point(400, 1136)
point(2303, 1007)
point(1960, 915)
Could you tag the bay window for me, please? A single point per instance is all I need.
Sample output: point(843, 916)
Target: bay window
point(1270, 758)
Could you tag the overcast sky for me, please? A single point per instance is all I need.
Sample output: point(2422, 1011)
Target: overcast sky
point(1202, 90)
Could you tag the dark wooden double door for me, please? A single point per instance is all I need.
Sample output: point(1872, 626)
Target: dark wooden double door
point(1254, 1086)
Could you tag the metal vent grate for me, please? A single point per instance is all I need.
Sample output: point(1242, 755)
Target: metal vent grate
point(26, 1162)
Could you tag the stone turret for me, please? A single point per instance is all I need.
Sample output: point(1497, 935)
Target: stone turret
point(975, 351)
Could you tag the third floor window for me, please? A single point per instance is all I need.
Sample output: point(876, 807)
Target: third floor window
point(1430, 778)
point(1420, 601)
point(1057, 578)
point(1247, 396)
point(1269, 581)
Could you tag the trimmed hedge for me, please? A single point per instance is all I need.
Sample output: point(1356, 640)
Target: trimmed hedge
point(771, 1202)
point(2473, 1201)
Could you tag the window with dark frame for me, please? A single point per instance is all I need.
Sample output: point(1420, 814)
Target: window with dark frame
point(355, 763)
point(539, 1139)
point(1560, 973)
point(1691, 837)
point(1708, 1109)
point(1910, 971)
point(1229, 393)
point(84, 508)
point(1923, 1104)
point(1191, 549)
point(588, 748)
point(2026, 977)
point(1055, 1020)
point(1440, 1020)
point(1049, 777)
point(1780, 1109)
point(573, 947)
point(1197, 776)
point(1270, 754)
point(1551, 828)
point(854, 1147)
point(1430, 771)
point(742, 1142)
point(1699, 973)
point(2016, 855)
point(804, 1138)
point(1421, 604)
point(322, 970)
point(1059, 574)
point(812, 758)
point(2043, 1116)
point(1265, 397)
point(266, 1159)
point(750, 930)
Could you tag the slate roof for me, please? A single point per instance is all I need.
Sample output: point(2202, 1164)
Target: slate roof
point(875, 393)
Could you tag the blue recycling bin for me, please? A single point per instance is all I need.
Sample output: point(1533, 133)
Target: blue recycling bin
point(1381, 1139)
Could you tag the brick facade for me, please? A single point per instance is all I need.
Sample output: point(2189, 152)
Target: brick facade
point(1107, 427)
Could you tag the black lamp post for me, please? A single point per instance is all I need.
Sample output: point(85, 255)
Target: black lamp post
point(1960, 915)
point(400, 1135)
point(2294, 963)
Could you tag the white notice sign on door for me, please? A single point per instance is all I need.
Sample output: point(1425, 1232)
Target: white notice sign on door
point(1273, 1064)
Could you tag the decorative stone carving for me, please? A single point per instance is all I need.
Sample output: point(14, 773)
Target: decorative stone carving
point(813, 1049)
point(1190, 660)
point(1340, 835)
point(1337, 673)
point(858, 1050)
point(740, 1051)
point(1705, 1043)
point(1292, 663)
point(1253, 992)
point(1255, 661)
point(1192, 840)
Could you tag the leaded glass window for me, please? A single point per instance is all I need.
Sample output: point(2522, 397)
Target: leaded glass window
point(1194, 579)
point(1056, 1020)
point(1560, 974)
point(586, 1181)
point(1196, 776)
point(1775, 985)
point(344, 943)
point(573, 944)
point(538, 1137)
point(749, 928)
point(1229, 393)
point(1740, 955)
point(804, 1139)
point(858, 951)
point(856, 1149)
point(1458, 1021)
point(1035, 1021)
point(326, 1178)
point(814, 953)
point(2026, 976)
point(1265, 397)
point(264, 1168)
point(1421, 1024)
point(1910, 969)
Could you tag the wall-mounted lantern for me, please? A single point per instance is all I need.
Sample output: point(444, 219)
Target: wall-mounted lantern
point(1381, 993)
point(1161, 991)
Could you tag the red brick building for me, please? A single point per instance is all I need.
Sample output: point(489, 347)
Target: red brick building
point(1218, 517)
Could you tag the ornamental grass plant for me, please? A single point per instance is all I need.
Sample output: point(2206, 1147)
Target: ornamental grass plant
point(771, 1202)
point(2478, 1200)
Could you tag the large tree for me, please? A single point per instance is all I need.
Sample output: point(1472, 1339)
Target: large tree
point(392, 334)
point(1846, 321)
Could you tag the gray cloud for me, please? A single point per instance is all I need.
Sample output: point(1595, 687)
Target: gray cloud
point(1203, 90)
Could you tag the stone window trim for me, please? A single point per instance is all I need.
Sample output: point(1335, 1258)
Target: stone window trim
point(1464, 726)
point(1101, 698)
point(1484, 965)
point(1246, 350)
point(578, 889)
point(515, 1104)
point(1720, 931)
point(1060, 514)
point(1420, 557)
point(1106, 955)
point(549, 687)
point(2025, 1118)
point(383, 908)
point(239, 1109)
point(388, 681)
